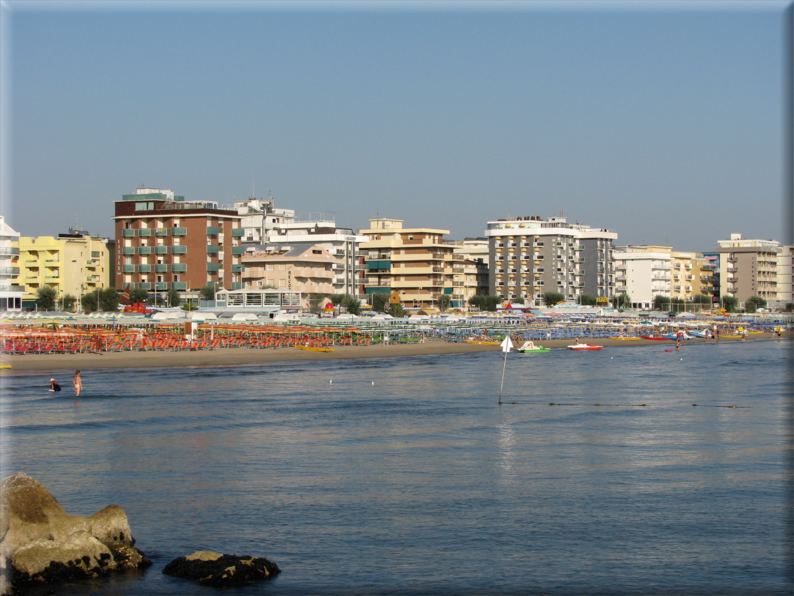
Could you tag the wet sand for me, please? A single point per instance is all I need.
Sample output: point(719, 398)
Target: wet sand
point(248, 356)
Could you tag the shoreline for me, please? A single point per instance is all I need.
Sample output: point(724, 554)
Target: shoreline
point(251, 356)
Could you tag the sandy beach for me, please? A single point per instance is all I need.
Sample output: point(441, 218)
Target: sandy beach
point(247, 356)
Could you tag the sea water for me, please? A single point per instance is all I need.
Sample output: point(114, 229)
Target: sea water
point(405, 475)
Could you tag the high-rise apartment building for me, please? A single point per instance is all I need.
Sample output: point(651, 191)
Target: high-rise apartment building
point(10, 291)
point(530, 256)
point(164, 242)
point(413, 261)
point(688, 276)
point(73, 264)
point(258, 217)
point(748, 268)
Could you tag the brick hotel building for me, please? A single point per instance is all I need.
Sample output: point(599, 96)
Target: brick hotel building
point(164, 242)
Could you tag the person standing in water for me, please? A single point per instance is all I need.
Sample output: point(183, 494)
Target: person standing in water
point(54, 385)
point(78, 383)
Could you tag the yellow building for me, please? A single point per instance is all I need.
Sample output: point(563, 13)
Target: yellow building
point(72, 264)
point(687, 273)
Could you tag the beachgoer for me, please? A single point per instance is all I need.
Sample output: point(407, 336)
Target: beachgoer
point(54, 385)
point(78, 383)
point(577, 340)
point(678, 345)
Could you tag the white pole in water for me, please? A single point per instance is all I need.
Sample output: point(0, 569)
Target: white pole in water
point(507, 345)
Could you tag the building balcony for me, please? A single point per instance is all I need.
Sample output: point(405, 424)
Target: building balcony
point(9, 270)
point(161, 250)
point(128, 268)
point(127, 233)
point(161, 232)
point(144, 285)
point(212, 249)
point(178, 250)
point(144, 250)
point(238, 268)
point(238, 233)
point(378, 265)
point(179, 231)
point(160, 286)
point(144, 232)
point(212, 230)
point(160, 268)
point(144, 268)
point(179, 285)
point(212, 267)
point(128, 250)
point(238, 250)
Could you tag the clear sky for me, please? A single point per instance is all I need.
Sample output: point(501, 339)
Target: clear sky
point(661, 121)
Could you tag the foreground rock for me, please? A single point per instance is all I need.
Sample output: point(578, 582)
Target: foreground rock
point(214, 569)
point(41, 543)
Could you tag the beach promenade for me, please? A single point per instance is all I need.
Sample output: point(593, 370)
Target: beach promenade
point(248, 356)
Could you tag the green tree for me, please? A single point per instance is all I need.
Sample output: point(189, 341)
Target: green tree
point(753, 303)
point(518, 300)
point(45, 298)
point(552, 298)
point(138, 295)
point(396, 310)
point(68, 302)
point(314, 302)
point(188, 306)
point(108, 300)
point(621, 301)
point(380, 301)
point(730, 303)
point(336, 299)
point(443, 302)
point(172, 297)
point(89, 302)
point(789, 306)
point(352, 304)
point(208, 291)
point(661, 302)
point(587, 300)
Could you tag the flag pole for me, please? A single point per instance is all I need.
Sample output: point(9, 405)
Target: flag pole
point(507, 345)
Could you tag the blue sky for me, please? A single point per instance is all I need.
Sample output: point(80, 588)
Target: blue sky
point(661, 121)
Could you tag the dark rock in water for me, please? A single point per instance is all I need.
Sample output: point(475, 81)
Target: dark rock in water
point(40, 543)
point(214, 569)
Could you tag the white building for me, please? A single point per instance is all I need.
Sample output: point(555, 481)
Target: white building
point(643, 272)
point(10, 294)
point(258, 217)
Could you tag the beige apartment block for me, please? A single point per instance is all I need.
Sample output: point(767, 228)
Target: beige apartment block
point(748, 268)
point(785, 263)
point(416, 262)
point(307, 269)
point(72, 264)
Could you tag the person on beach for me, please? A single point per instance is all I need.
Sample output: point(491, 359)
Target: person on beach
point(678, 344)
point(78, 383)
point(54, 385)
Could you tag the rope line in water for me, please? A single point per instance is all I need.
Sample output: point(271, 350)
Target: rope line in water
point(518, 403)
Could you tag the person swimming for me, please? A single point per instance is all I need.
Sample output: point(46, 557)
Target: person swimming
point(54, 385)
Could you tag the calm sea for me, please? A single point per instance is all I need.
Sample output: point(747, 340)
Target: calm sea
point(404, 476)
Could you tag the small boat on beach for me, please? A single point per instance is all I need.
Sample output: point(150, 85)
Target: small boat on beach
point(483, 343)
point(314, 349)
point(655, 338)
point(584, 347)
point(624, 338)
point(529, 347)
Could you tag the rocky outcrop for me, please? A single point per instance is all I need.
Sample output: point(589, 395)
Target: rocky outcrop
point(214, 569)
point(41, 543)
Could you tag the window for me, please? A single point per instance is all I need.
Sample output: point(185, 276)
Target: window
point(270, 267)
point(282, 267)
point(282, 283)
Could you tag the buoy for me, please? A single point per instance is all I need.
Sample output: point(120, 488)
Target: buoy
point(373, 382)
point(668, 350)
point(694, 404)
point(331, 381)
point(682, 359)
